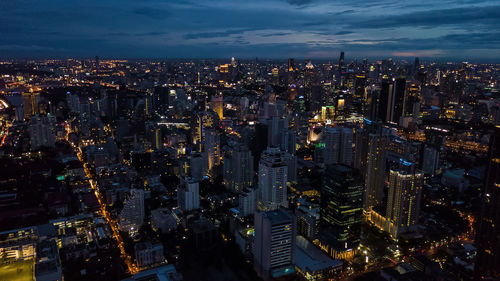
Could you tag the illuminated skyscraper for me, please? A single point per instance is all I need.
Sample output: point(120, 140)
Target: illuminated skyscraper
point(488, 234)
point(273, 252)
point(375, 171)
point(341, 210)
point(403, 203)
point(30, 104)
point(217, 104)
point(212, 148)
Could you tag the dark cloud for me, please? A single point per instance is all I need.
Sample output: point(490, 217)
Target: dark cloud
point(222, 28)
point(216, 34)
point(435, 18)
point(344, 32)
point(152, 13)
point(299, 2)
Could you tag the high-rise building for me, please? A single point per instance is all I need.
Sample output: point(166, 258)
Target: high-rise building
point(430, 163)
point(247, 201)
point(375, 171)
point(338, 145)
point(132, 214)
point(275, 127)
point(238, 167)
point(273, 175)
point(148, 254)
point(342, 69)
point(212, 148)
point(341, 210)
point(188, 194)
point(403, 203)
point(385, 100)
point(275, 233)
point(488, 234)
point(397, 100)
point(217, 104)
point(30, 104)
point(41, 132)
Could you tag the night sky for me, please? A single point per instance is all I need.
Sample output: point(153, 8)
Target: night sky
point(441, 29)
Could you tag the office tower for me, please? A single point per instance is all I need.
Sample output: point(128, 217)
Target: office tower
point(345, 151)
point(238, 167)
point(488, 234)
point(132, 214)
point(430, 163)
point(288, 140)
point(416, 65)
point(338, 145)
point(375, 171)
point(41, 132)
point(372, 103)
point(156, 138)
point(385, 100)
point(341, 209)
point(397, 100)
point(411, 100)
point(341, 61)
point(273, 174)
point(30, 104)
point(275, 126)
point(198, 165)
point(403, 203)
point(247, 200)
point(148, 105)
point(275, 233)
point(217, 104)
point(307, 221)
point(291, 65)
point(331, 139)
point(188, 194)
point(212, 148)
point(161, 100)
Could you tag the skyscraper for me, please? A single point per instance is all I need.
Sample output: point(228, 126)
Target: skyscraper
point(30, 104)
point(188, 194)
point(217, 104)
point(41, 132)
point(132, 214)
point(403, 203)
point(338, 145)
point(238, 167)
point(385, 100)
point(275, 233)
point(273, 174)
point(212, 148)
point(488, 234)
point(397, 100)
point(341, 210)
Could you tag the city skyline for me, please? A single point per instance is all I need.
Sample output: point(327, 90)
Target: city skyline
point(316, 29)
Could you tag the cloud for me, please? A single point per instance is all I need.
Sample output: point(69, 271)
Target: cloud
point(435, 18)
point(344, 32)
point(152, 12)
point(218, 34)
point(299, 2)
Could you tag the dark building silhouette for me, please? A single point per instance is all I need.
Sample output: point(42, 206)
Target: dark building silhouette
point(488, 236)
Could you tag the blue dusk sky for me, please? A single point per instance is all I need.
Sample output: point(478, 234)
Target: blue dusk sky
point(434, 29)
